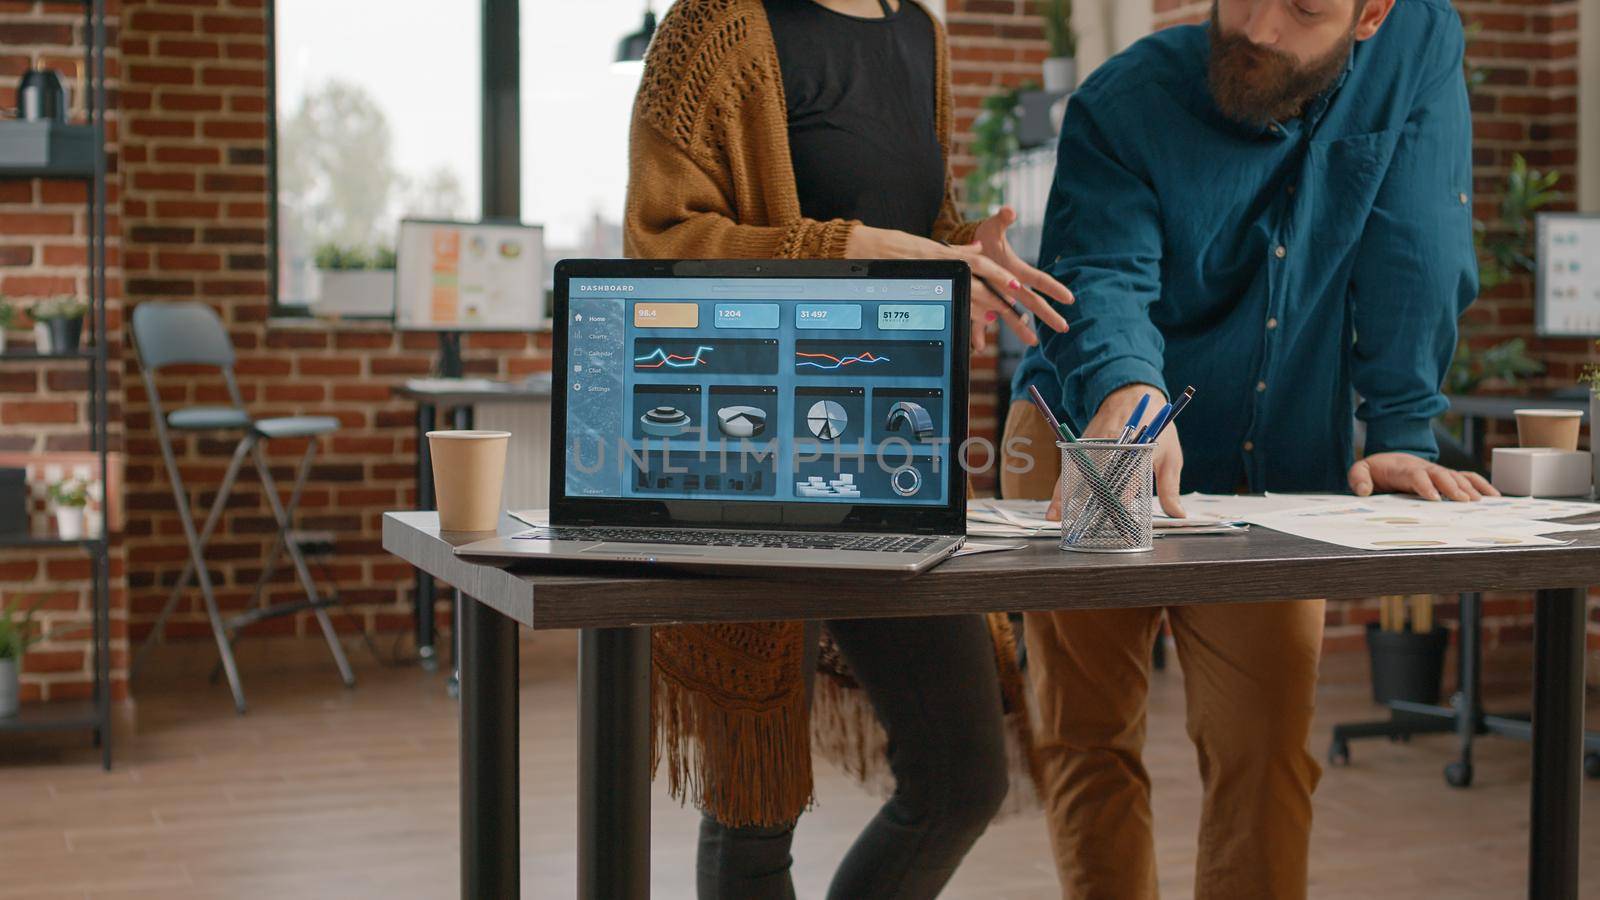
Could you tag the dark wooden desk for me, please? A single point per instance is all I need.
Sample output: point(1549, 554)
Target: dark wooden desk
point(458, 397)
point(616, 608)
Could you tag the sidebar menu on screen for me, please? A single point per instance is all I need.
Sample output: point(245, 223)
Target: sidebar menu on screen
point(597, 396)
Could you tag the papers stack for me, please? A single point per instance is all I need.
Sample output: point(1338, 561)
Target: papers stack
point(1025, 519)
point(1394, 522)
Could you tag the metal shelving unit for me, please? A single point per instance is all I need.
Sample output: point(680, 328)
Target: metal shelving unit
point(94, 714)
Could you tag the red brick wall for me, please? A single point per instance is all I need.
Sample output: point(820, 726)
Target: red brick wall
point(994, 45)
point(197, 229)
point(44, 230)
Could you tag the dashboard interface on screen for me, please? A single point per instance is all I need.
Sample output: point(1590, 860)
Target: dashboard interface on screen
point(752, 389)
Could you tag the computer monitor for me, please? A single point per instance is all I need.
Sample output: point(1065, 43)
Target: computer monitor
point(1568, 277)
point(469, 276)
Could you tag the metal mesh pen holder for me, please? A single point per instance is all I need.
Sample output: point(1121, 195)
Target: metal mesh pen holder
point(1106, 491)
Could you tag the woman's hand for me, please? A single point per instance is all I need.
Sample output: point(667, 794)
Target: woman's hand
point(997, 293)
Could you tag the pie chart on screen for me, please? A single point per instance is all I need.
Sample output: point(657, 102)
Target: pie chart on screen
point(827, 420)
point(741, 421)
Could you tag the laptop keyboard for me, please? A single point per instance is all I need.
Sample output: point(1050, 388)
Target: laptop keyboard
point(763, 540)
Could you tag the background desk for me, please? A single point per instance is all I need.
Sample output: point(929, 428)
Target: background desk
point(1476, 411)
point(461, 399)
point(616, 608)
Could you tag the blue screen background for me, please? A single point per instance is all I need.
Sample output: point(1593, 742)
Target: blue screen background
point(812, 390)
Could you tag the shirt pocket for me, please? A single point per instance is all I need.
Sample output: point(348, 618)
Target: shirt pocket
point(1340, 183)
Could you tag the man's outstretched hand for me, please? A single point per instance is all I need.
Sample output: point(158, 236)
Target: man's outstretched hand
point(1406, 474)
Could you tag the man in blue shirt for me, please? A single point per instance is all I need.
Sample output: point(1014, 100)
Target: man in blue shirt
point(1276, 209)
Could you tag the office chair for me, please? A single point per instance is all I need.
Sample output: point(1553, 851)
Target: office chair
point(191, 334)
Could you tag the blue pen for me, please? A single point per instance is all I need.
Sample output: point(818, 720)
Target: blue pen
point(1145, 433)
point(1178, 406)
point(1129, 430)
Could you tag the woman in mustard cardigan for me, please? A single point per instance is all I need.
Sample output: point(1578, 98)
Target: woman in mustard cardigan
point(821, 129)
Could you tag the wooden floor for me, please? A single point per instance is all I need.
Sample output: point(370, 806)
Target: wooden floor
point(323, 792)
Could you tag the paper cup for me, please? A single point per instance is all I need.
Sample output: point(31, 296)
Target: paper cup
point(469, 469)
point(1555, 428)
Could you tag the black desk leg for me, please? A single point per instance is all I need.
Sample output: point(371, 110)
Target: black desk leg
point(1558, 634)
point(489, 842)
point(422, 610)
point(462, 420)
point(614, 764)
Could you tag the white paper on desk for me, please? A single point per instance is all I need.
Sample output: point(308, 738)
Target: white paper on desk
point(1245, 508)
point(973, 548)
point(538, 518)
point(1497, 507)
point(1362, 525)
point(1026, 518)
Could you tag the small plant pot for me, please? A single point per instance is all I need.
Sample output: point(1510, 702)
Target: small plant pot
point(1060, 74)
point(2, 340)
point(65, 334)
point(69, 522)
point(10, 689)
point(1406, 666)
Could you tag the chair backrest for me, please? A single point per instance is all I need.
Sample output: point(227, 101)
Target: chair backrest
point(187, 333)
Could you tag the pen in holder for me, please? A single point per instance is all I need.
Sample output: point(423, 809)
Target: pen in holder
point(1106, 491)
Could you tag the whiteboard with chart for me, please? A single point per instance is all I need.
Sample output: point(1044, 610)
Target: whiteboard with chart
point(1568, 278)
point(469, 276)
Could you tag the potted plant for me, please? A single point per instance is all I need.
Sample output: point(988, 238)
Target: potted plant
point(15, 639)
point(994, 143)
point(1407, 651)
point(355, 281)
point(58, 324)
point(1061, 68)
point(8, 318)
point(70, 498)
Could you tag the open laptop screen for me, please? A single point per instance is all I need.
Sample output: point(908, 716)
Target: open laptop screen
point(762, 390)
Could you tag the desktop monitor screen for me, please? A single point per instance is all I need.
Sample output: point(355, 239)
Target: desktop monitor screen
point(758, 391)
point(469, 276)
point(1568, 277)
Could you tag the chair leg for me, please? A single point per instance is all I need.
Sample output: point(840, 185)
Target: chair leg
point(285, 524)
point(212, 518)
point(197, 561)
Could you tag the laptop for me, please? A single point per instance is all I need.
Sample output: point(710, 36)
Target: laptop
point(755, 413)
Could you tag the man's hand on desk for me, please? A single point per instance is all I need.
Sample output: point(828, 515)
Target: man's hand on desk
point(1407, 474)
point(1108, 423)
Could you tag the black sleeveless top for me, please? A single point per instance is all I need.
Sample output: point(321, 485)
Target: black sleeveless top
point(862, 109)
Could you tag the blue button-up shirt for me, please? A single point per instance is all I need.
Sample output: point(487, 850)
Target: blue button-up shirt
point(1281, 270)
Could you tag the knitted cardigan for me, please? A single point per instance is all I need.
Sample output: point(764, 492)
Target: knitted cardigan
point(710, 177)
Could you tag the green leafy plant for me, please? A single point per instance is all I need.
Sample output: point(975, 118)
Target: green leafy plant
point(1591, 374)
point(70, 492)
point(1504, 364)
point(994, 143)
point(1505, 247)
point(17, 636)
point(1057, 15)
point(331, 257)
point(335, 258)
point(8, 314)
point(1505, 250)
point(65, 306)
